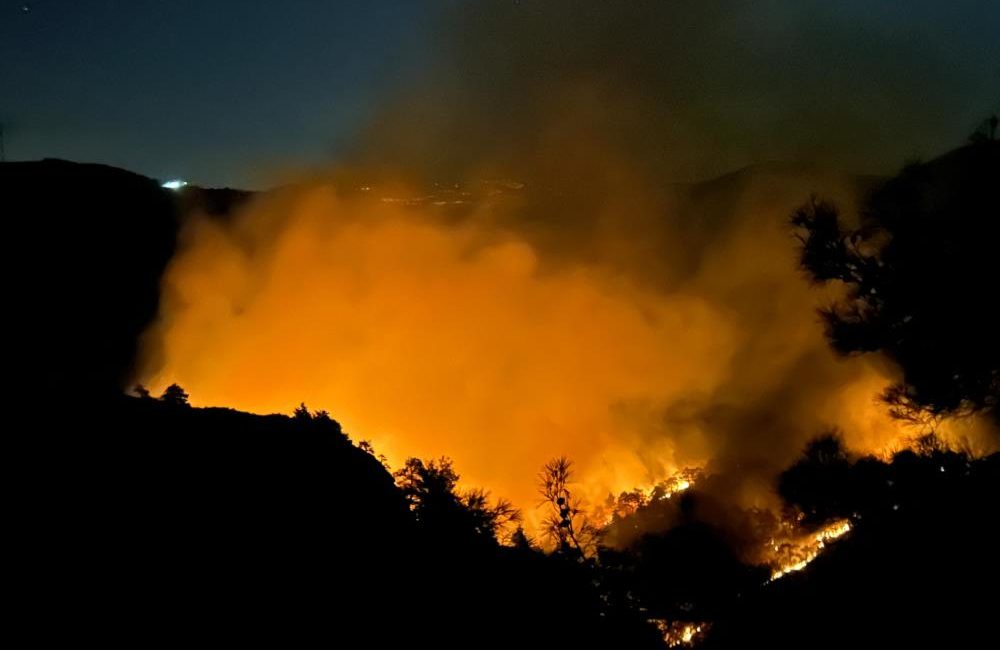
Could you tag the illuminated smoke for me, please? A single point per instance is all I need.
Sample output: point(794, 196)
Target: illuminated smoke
point(476, 337)
point(436, 339)
point(503, 273)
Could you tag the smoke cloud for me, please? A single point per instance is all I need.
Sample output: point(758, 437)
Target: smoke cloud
point(692, 89)
point(434, 330)
point(503, 273)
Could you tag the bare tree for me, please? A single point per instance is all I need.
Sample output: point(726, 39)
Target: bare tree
point(567, 525)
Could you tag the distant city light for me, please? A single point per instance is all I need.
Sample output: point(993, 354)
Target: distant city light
point(175, 184)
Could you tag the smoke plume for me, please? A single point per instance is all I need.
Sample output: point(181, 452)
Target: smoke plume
point(504, 273)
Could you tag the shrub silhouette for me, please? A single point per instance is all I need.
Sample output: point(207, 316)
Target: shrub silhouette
point(175, 396)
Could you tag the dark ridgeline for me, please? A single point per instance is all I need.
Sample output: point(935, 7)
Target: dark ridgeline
point(86, 245)
point(147, 519)
point(220, 203)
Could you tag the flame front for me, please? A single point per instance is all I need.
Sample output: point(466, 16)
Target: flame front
point(793, 554)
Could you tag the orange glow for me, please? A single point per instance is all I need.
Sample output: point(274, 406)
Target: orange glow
point(629, 502)
point(503, 341)
point(431, 340)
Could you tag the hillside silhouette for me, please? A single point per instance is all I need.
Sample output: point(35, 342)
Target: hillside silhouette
point(146, 518)
point(230, 526)
point(89, 246)
point(90, 243)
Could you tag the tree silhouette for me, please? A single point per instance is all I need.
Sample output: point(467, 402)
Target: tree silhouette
point(567, 524)
point(302, 413)
point(175, 396)
point(921, 279)
point(321, 422)
point(431, 491)
point(818, 483)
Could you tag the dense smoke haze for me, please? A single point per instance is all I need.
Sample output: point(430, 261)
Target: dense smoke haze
point(689, 89)
point(507, 269)
point(431, 332)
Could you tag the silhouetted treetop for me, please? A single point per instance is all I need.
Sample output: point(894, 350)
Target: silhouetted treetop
point(175, 395)
point(921, 279)
point(567, 523)
point(817, 483)
point(431, 490)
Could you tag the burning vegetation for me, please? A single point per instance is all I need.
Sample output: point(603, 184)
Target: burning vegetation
point(680, 633)
point(795, 552)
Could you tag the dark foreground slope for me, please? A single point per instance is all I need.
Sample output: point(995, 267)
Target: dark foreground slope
point(169, 521)
point(920, 568)
point(149, 522)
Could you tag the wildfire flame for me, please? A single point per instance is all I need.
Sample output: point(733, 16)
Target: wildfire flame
point(627, 503)
point(674, 485)
point(680, 633)
point(795, 554)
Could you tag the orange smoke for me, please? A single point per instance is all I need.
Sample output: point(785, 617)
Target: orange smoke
point(432, 340)
point(485, 337)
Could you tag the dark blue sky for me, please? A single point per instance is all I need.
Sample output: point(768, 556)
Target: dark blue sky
point(223, 92)
point(241, 92)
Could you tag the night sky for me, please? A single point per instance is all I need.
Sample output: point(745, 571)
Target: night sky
point(225, 92)
point(240, 93)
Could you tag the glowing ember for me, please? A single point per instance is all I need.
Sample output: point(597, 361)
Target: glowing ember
point(680, 633)
point(795, 554)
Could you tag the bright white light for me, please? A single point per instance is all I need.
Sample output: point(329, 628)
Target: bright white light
point(175, 184)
